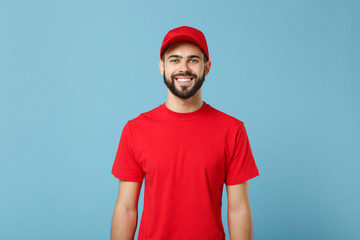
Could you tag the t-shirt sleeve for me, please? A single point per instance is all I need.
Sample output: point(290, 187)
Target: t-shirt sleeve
point(126, 167)
point(241, 165)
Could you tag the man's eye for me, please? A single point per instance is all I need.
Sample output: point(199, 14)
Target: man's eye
point(174, 60)
point(194, 60)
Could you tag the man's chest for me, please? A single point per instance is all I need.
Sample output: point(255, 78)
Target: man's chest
point(183, 152)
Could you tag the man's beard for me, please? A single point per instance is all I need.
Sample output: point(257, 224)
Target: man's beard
point(186, 91)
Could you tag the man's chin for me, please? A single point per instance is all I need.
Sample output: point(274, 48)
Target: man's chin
point(182, 95)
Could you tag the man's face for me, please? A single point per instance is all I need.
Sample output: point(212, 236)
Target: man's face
point(184, 69)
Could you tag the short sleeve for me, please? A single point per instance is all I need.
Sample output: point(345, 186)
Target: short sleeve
point(241, 165)
point(126, 166)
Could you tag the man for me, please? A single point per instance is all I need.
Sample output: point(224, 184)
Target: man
point(186, 150)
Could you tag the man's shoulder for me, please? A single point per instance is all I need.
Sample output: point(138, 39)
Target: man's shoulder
point(226, 118)
point(148, 115)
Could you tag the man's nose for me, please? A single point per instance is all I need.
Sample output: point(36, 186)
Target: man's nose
point(184, 66)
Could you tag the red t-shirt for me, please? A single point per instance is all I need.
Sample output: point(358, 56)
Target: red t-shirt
point(185, 159)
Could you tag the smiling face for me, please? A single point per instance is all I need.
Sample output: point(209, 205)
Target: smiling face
point(184, 69)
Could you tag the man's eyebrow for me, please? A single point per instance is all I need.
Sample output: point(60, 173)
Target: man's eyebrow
point(190, 56)
point(193, 56)
point(175, 56)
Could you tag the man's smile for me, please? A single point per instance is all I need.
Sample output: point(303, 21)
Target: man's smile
point(183, 81)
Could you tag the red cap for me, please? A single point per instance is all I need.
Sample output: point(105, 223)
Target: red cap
point(185, 34)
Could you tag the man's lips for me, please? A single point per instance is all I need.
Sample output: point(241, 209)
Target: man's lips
point(184, 79)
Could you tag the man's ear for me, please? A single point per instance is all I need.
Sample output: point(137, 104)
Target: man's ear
point(207, 67)
point(161, 67)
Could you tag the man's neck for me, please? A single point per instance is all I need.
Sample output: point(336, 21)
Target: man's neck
point(180, 105)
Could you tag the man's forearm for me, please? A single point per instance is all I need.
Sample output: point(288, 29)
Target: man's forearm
point(123, 224)
point(240, 224)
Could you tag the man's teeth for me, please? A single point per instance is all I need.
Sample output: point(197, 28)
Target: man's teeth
point(183, 79)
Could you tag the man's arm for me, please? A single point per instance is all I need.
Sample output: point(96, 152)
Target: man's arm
point(126, 211)
point(239, 213)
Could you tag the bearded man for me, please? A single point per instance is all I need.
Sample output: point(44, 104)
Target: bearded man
point(186, 151)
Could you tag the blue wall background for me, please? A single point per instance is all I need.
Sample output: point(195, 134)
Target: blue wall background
point(73, 72)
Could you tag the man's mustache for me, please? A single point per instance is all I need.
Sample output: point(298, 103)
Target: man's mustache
point(185, 74)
